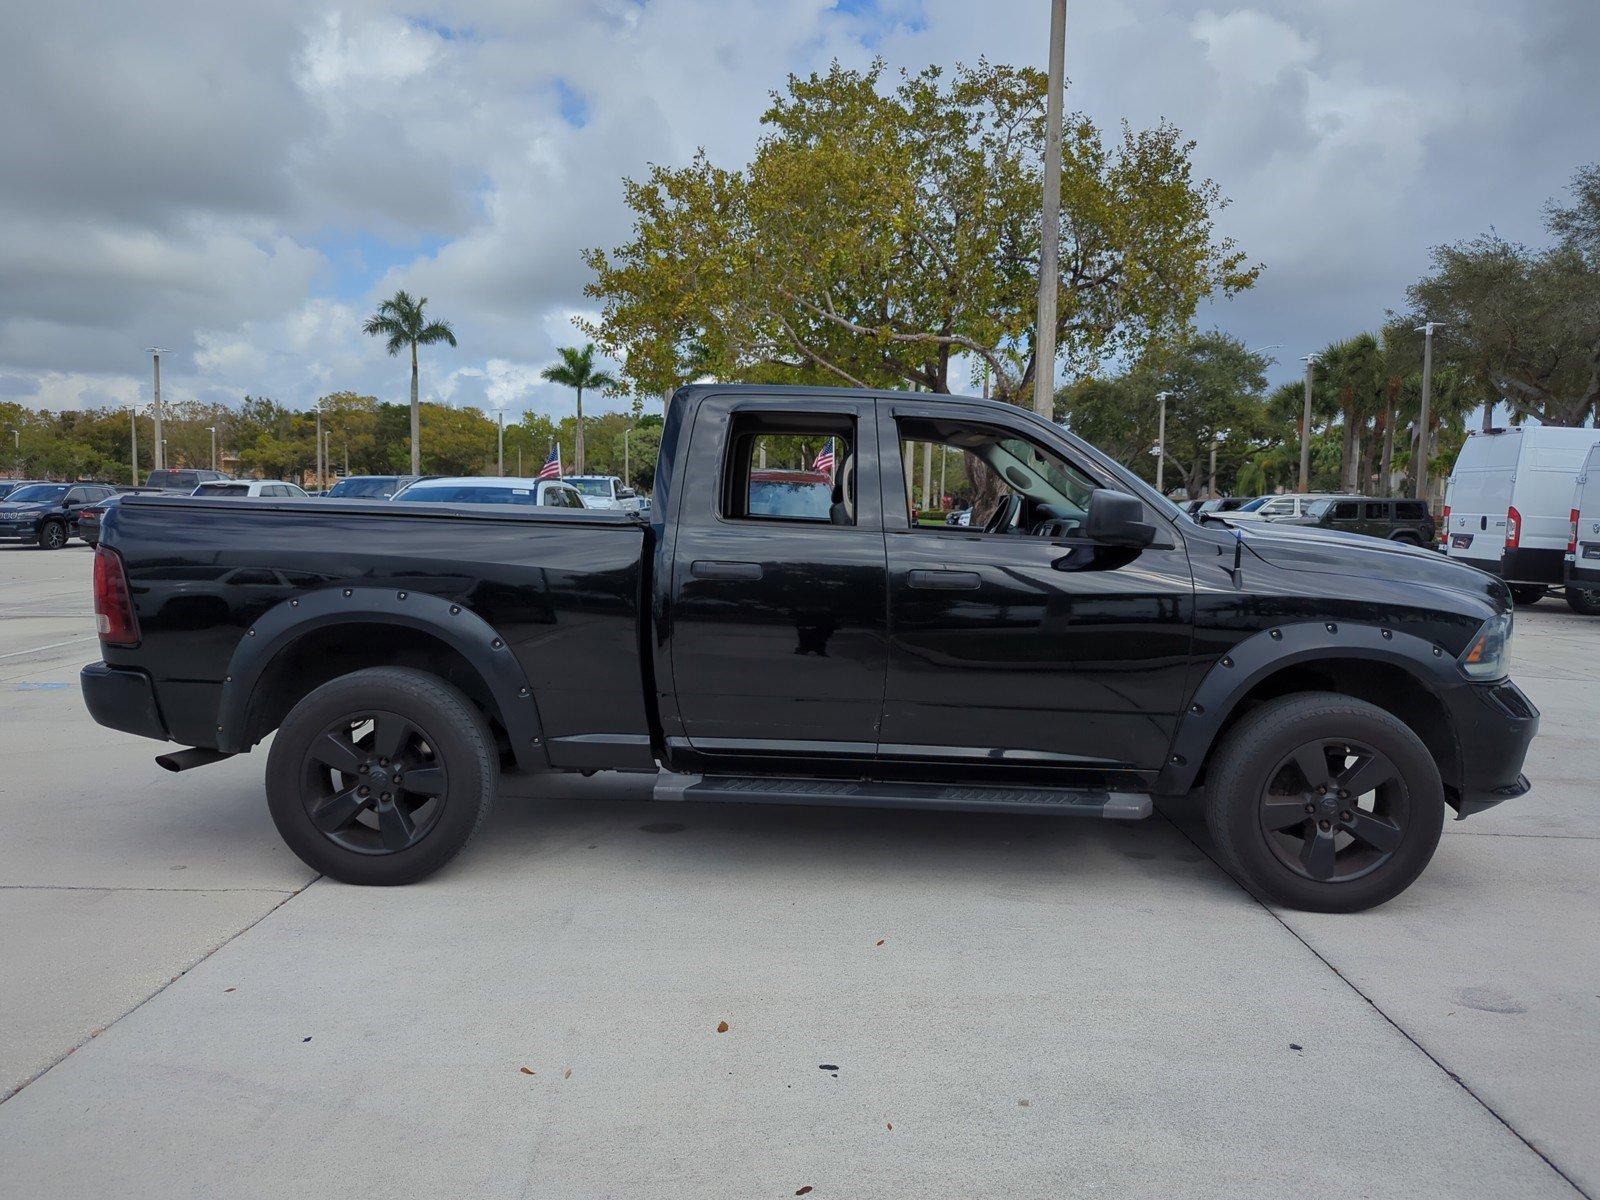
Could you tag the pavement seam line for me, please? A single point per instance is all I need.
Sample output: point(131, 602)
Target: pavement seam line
point(43, 1071)
point(76, 887)
point(1373, 1004)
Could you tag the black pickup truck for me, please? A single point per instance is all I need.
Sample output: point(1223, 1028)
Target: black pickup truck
point(1082, 647)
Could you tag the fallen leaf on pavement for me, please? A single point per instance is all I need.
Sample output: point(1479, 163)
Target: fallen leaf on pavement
point(525, 1071)
point(803, 1190)
point(568, 1074)
point(722, 1027)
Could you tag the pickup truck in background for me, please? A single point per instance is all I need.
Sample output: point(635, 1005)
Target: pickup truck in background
point(1081, 648)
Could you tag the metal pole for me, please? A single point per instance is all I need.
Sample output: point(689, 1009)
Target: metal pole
point(1044, 365)
point(944, 463)
point(160, 451)
point(1161, 443)
point(1213, 483)
point(1305, 430)
point(319, 445)
point(627, 457)
point(213, 447)
point(133, 444)
point(501, 441)
point(1423, 415)
point(927, 474)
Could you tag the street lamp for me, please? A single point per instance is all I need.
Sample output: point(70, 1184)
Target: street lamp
point(213, 447)
point(155, 353)
point(133, 443)
point(1161, 441)
point(1424, 417)
point(500, 439)
point(1305, 430)
point(1044, 340)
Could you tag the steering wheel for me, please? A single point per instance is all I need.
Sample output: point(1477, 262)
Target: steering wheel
point(1005, 514)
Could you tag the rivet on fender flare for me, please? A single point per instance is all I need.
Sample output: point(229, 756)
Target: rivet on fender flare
point(1197, 709)
point(1388, 634)
point(294, 604)
point(348, 593)
point(497, 643)
point(1277, 635)
point(454, 609)
point(227, 679)
point(249, 633)
point(1437, 652)
point(1331, 627)
point(1177, 760)
point(523, 693)
point(1227, 662)
point(400, 595)
point(534, 740)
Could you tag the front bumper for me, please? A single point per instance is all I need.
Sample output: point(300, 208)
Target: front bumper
point(119, 698)
point(19, 533)
point(1495, 723)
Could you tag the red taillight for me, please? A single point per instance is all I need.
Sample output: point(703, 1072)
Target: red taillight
point(113, 606)
point(1572, 533)
point(1513, 529)
point(1444, 525)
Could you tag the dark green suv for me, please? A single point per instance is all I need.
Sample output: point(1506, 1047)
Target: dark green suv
point(1398, 520)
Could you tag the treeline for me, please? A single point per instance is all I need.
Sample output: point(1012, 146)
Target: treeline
point(262, 438)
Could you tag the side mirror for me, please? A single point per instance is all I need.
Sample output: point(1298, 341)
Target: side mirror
point(1117, 519)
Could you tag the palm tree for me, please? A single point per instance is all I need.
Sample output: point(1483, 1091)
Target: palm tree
point(576, 370)
point(401, 320)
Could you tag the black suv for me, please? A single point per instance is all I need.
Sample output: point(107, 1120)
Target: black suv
point(46, 514)
point(1405, 521)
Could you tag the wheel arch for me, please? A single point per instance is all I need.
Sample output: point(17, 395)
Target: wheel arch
point(303, 642)
point(1398, 672)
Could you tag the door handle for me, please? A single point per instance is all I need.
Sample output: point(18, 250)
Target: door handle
point(705, 568)
point(943, 581)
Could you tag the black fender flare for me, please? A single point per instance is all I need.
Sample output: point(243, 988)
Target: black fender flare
point(454, 624)
point(1262, 654)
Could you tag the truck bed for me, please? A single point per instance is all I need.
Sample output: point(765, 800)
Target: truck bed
point(563, 589)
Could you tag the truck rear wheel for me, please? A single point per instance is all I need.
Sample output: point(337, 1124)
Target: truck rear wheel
point(1523, 594)
point(381, 776)
point(1322, 802)
point(1583, 600)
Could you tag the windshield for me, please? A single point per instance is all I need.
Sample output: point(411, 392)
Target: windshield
point(1254, 504)
point(1317, 507)
point(802, 499)
point(591, 487)
point(38, 493)
point(375, 487)
point(464, 493)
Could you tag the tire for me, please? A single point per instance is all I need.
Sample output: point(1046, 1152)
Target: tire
point(1524, 594)
point(1345, 856)
point(1406, 539)
point(53, 536)
point(1583, 600)
point(335, 756)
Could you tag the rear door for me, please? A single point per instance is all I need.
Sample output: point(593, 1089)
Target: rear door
point(1478, 494)
point(1586, 514)
point(777, 618)
point(1345, 516)
point(1376, 516)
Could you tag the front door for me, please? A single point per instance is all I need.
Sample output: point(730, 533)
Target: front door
point(1015, 642)
point(778, 625)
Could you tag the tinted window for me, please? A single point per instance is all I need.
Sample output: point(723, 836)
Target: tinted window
point(174, 479)
point(1345, 510)
point(1378, 512)
point(1412, 510)
point(592, 487)
point(223, 489)
point(560, 497)
point(801, 500)
point(374, 487)
point(783, 467)
point(1258, 502)
point(464, 493)
point(38, 493)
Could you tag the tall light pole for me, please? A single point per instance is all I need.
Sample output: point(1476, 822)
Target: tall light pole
point(1305, 430)
point(213, 447)
point(1044, 361)
point(500, 440)
point(133, 442)
point(1424, 417)
point(319, 444)
point(155, 352)
point(1161, 442)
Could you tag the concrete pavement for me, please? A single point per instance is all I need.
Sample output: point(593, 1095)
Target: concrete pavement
point(1056, 1008)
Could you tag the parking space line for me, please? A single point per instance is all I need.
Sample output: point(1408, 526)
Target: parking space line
point(52, 646)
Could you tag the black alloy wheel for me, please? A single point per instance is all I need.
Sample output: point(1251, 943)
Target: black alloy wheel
point(52, 535)
point(372, 783)
point(1585, 600)
point(1334, 810)
point(381, 776)
point(1324, 802)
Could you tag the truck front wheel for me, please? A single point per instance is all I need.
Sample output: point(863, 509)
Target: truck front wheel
point(1322, 802)
point(1583, 600)
point(381, 776)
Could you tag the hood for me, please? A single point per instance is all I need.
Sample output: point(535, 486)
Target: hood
point(29, 506)
point(1310, 548)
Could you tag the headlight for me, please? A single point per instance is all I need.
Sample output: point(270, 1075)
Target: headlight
point(1487, 655)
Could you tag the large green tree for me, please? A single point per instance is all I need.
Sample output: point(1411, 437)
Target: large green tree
point(577, 371)
point(1524, 322)
point(883, 234)
point(404, 322)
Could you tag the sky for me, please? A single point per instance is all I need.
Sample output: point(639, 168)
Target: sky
point(240, 183)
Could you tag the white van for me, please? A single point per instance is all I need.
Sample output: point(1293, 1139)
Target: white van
point(1583, 539)
point(1508, 503)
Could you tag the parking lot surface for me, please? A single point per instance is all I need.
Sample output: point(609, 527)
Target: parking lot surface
point(916, 1004)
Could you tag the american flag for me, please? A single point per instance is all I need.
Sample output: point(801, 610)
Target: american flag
point(552, 465)
point(824, 459)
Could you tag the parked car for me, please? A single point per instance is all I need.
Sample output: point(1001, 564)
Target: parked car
point(1089, 648)
point(604, 491)
point(46, 514)
point(272, 489)
point(1229, 504)
point(526, 493)
point(1508, 503)
point(1289, 506)
point(800, 495)
point(1581, 567)
point(960, 518)
point(180, 479)
point(370, 487)
point(1407, 521)
point(91, 514)
point(7, 486)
